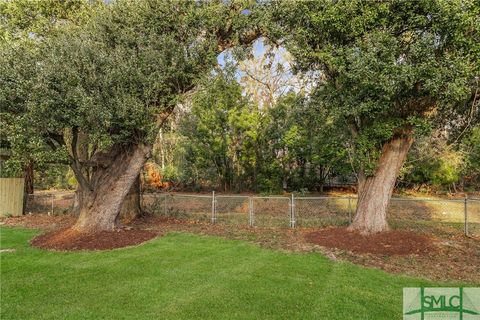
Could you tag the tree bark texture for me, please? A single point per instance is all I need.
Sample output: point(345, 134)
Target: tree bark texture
point(28, 185)
point(131, 207)
point(131, 204)
point(77, 201)
point(376, 191)
point(101, 202)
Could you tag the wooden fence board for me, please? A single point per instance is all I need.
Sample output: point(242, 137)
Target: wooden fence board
point(11, 196)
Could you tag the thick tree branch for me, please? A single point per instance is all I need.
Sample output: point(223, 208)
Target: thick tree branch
point(75, 162)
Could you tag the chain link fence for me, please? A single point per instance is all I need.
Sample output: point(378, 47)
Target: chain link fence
point(323, 211)
point(191, 207)
point(271, 212)
point(437, 216)
point(429, 216)
point(233, 210)
point(50, 203)
point(445, 217)
point(473, 217)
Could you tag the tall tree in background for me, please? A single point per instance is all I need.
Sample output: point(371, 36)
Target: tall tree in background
point(267, 75)
point(433, 163)
point(389, 69)
point(228, 141)
point(220, 133)
point(302, 144)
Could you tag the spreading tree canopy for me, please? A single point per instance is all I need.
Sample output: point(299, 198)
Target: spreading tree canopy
point(115, 80)
point(23, 26)
point(388, 70)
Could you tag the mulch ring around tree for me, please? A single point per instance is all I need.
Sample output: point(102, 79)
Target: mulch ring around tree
point(395, 242)
point(71, 240)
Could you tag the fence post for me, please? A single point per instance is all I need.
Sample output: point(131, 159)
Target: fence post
point(350, 209)
point(52, 203)
point(165, 205)
point(292, 211)
point(250, 211)
point(213, 207)
point(465, 211)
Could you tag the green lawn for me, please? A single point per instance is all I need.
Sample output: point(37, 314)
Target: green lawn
point(184, 276)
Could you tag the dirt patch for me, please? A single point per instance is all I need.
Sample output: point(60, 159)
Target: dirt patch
point(69, 239)
point(39, 221)
point(396, 242)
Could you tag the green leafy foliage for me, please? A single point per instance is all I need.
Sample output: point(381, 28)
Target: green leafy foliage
point(230, 142)
point(471, 148)
point(28, 21)
point(128, 67)
point(24, 25)
point(55, 176)
point(220, 133)
point(385, 68)
point(304, 145)
point(115, 77)
point(434, 163)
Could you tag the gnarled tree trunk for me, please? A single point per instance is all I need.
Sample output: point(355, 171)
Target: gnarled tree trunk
point(375, 191)
point(131, 204)
point(77, 201)
point(81, 147)
point(131, 207)
point(110, 183)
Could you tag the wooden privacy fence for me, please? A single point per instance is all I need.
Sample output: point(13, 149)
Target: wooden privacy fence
point(11, 196)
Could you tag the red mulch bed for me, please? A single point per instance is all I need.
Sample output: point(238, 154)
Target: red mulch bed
point(395, 242)
point(69, 239)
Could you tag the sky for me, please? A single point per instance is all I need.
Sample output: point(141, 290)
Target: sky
point(259, 50)
point(291, 81)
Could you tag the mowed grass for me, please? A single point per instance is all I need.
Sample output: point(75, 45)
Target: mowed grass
point(184, 276)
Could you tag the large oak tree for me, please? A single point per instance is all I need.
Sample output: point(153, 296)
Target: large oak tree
point(388, 70)
point(115, 81)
